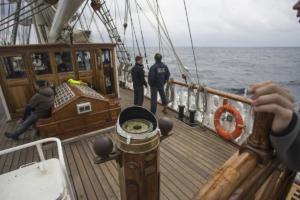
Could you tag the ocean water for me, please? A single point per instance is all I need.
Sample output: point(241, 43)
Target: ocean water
point(234, 69)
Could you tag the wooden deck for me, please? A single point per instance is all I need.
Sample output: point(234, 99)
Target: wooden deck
point(187, 159)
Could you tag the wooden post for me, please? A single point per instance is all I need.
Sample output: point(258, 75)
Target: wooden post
point(259, 142)
point(139, 175)
point(137, 141)
point(237, 169)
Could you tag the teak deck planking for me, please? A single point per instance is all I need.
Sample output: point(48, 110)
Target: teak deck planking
point(187, 159)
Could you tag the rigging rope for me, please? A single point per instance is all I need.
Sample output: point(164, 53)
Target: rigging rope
point(170, 91)
point(72, 28)
point(158, 26)
point(119, 15)
point(166, 32)
point(29, 33)
point(142, 35)
point(133, 29)
point(201, 95)
point(26, 17)
point(10, 15)
point(7, 31)
point(166, 39)
point(20, 15)
point(91, 20)
point(95, 22)
point(191, 38)
point(79, 15)
point(85, 19)
point(125, 21)
point(133, 43)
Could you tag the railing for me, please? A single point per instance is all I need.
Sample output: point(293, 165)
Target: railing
point(39, 145)
point(205, 101)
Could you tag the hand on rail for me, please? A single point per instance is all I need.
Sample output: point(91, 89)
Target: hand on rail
point(273, 98)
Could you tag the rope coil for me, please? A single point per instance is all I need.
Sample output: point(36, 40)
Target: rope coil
point(190, 92)
point(201, 94)
point(170, 91)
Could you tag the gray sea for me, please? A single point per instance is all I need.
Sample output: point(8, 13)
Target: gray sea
point(234, 69)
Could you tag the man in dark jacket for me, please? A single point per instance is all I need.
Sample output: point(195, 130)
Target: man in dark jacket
point(39, 106)
point(158, 76)
point(138, 79)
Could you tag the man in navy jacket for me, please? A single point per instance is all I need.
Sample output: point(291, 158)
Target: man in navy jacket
point(158, 76)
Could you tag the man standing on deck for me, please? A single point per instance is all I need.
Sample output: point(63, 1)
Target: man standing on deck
point(38, 107)
point(158, 76)
point(138, 79)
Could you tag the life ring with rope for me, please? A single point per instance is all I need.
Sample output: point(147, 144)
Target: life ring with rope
point(239, 123)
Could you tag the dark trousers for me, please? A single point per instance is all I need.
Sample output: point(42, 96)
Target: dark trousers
point(162, 95)
point(138, 95)
point(27, 112)
point(30, 120)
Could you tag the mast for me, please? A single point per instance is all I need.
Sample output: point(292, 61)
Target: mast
point(16, 21)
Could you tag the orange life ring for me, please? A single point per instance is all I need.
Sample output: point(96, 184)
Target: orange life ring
point(239, 123)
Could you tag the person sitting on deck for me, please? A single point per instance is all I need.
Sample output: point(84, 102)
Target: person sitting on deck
point(285, 134)
point(158, 76)
point(38, 107)
point(138, 79)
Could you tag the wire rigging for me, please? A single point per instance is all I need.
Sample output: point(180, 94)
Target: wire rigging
point(142, 35)
point(133, 29)
point(34, 13)
point(166, 38)
point(95, 22)
point(191, 38)
point(20, 15)
point(125, 20)
point(79, 15)
point(78, 19)
point(158, 26)
point(18, 10)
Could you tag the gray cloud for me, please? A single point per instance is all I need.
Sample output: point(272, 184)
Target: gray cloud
point(235, 22)
point(224, 22)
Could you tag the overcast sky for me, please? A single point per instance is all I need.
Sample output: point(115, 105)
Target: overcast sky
point(229, 22)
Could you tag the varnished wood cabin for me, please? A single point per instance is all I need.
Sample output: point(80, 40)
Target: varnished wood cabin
point(94, 64)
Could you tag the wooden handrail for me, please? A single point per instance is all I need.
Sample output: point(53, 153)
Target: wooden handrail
point(218, 92)
point(213, 91)
point(247, 171)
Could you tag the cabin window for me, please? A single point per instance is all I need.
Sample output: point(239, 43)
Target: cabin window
point(14, 67)
point(41, 63)
point(63, 62)
point(106, 57)
point(83, 59)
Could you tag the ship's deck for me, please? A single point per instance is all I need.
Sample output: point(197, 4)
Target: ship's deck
point(187, 159)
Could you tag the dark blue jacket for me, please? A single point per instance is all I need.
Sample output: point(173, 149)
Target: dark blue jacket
point(158, 75)
point(138, 76)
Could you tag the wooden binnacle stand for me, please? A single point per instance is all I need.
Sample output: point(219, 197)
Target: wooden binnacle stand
point(254, 172)
point(137, 142)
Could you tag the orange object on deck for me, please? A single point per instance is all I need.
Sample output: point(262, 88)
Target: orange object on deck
point(239, 125)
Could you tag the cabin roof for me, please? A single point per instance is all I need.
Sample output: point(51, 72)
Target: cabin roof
point(3, 49)
point(88, 92)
